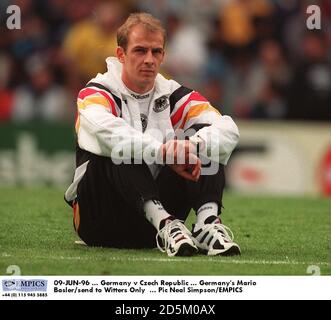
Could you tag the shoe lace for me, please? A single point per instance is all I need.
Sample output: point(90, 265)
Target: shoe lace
point(224, 230)
point(167, 232)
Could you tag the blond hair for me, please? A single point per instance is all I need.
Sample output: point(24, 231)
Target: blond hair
point(147, 20)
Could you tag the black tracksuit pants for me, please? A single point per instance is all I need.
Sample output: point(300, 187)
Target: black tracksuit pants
point(111, 197)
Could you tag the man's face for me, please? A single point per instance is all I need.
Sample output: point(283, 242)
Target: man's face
point(142, 59)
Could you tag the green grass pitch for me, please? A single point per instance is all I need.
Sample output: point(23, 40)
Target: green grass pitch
point(277, 235)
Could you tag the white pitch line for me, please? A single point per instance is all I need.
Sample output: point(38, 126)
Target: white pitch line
point(190, 260)
point(217, 260)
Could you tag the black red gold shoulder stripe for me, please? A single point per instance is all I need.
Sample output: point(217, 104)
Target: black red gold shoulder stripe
point(177, 95)
point(117, 100)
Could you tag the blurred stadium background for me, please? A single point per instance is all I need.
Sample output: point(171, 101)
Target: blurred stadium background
point(255, 60)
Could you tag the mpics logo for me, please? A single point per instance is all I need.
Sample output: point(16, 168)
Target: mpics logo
point(24, 285)
point(9, 284)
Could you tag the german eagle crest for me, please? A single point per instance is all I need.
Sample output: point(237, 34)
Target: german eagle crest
point(161, 104)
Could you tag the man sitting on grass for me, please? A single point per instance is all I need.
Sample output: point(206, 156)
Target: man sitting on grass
point(141, 141)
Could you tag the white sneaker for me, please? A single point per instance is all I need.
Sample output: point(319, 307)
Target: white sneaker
point(213, 238)
point(176, 240)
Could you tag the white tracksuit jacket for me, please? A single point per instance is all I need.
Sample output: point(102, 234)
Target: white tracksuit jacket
point(109, 124)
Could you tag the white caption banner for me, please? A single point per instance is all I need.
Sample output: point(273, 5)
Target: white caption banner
point(165, 287)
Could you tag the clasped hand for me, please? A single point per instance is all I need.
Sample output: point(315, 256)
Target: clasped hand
point(181, 157)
